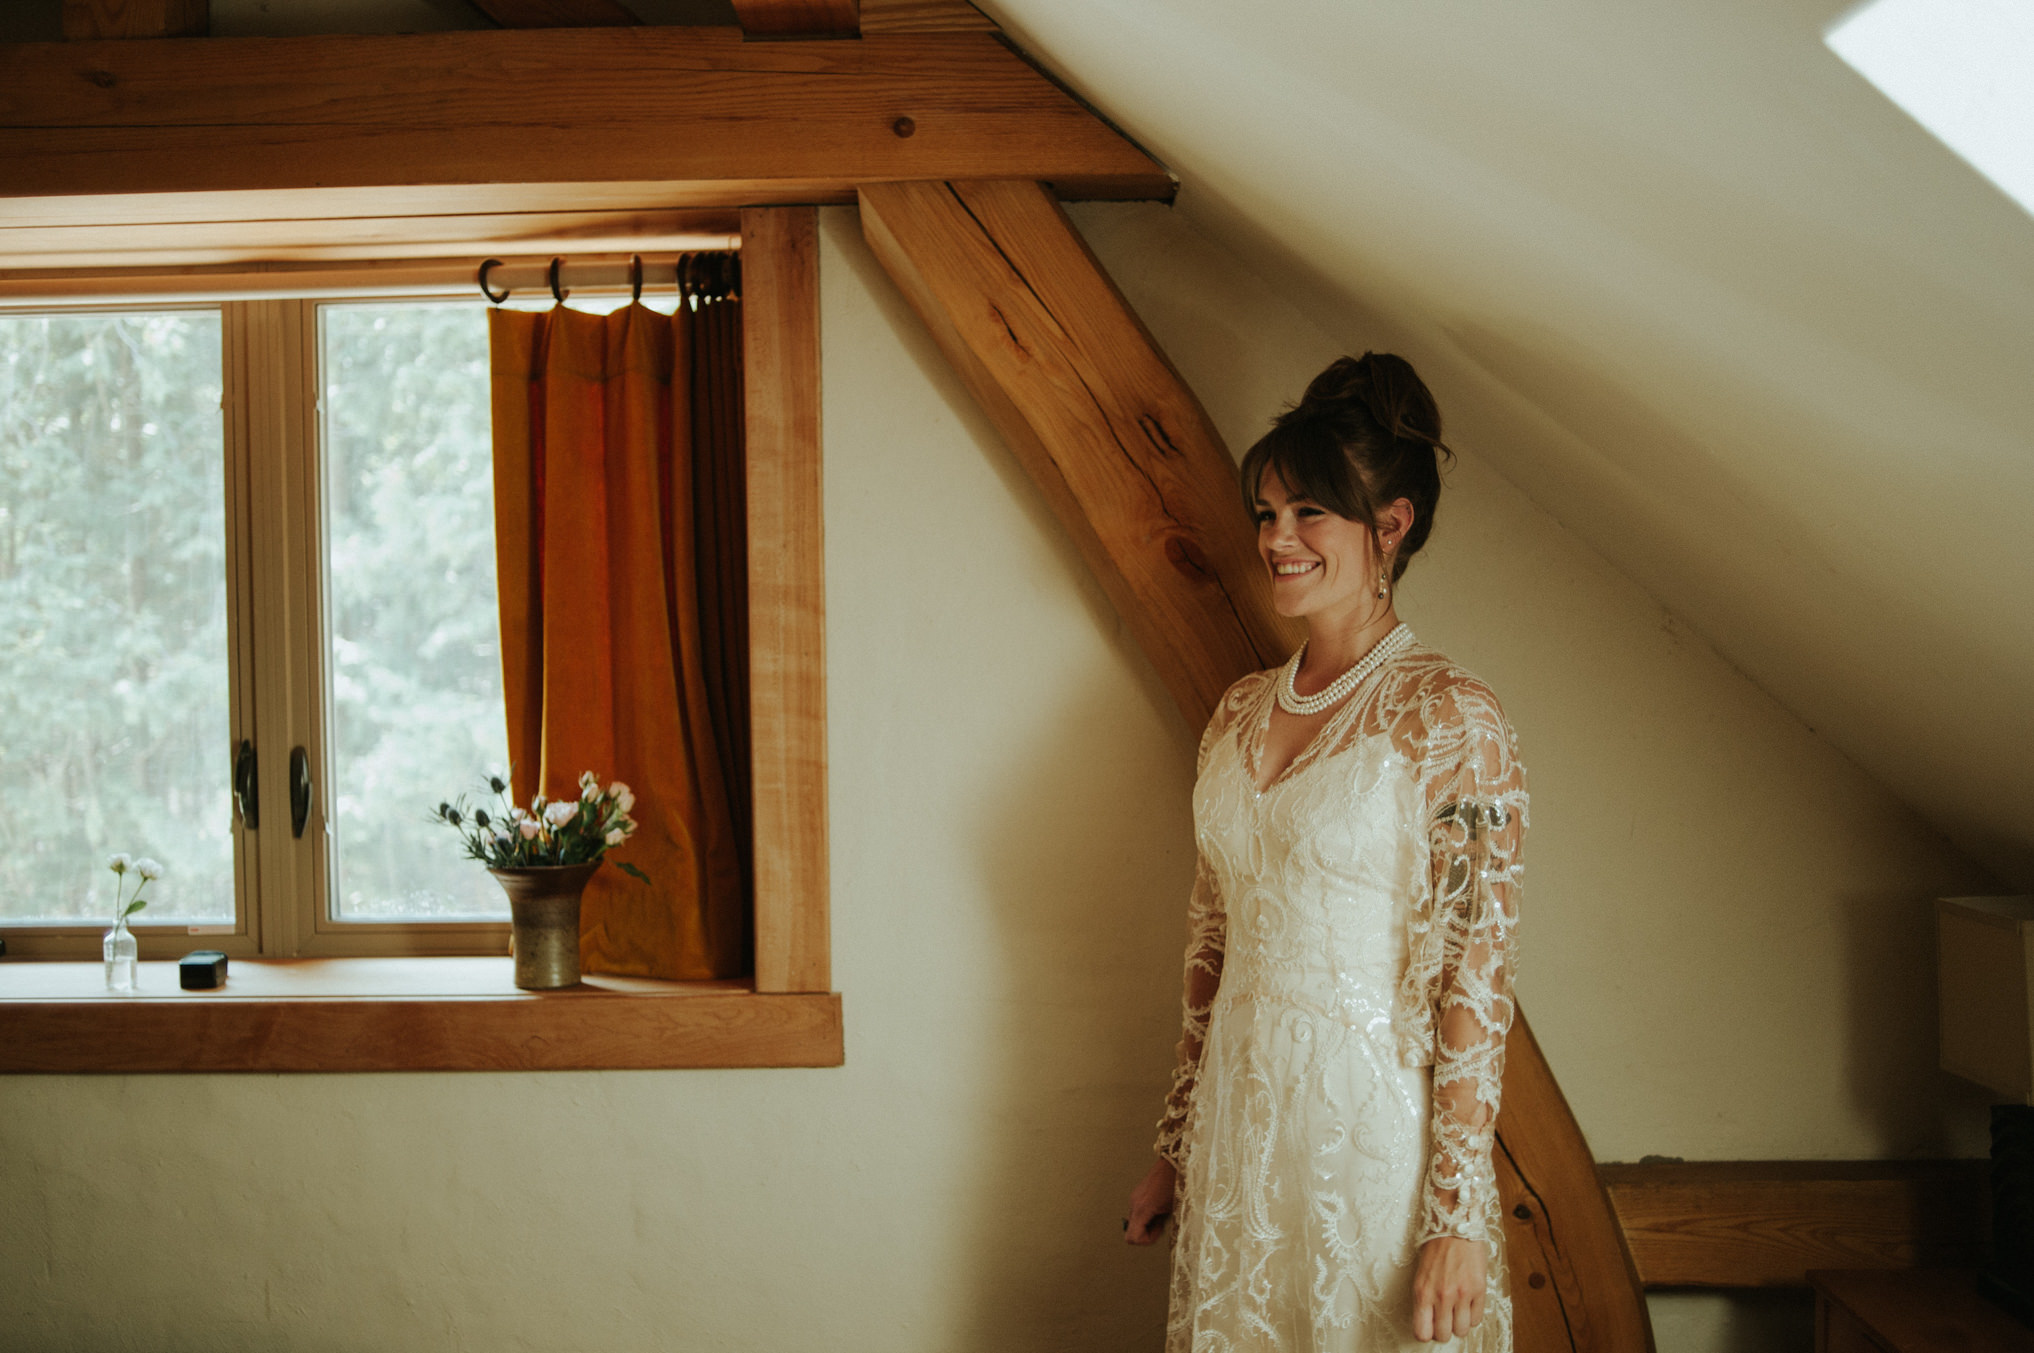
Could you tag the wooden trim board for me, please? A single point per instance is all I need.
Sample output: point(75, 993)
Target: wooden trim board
point(787, 595)
point(1767, 1223)
point(412, 1014)
point(348, 239)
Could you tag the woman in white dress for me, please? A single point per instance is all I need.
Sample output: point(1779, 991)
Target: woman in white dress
point(1359, 815)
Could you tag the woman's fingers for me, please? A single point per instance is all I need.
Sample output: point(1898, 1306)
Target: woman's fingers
point(1439, 1316)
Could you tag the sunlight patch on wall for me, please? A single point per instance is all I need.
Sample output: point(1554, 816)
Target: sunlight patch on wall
point(1964, 69)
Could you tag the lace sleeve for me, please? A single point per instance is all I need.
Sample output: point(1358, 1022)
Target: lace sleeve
point(1207, 939)
point(1476, 805)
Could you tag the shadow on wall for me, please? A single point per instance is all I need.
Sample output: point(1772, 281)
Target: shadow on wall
point(1889, 969)
point(1841, 589)
point(1068, 1130)
point(1751, 1320)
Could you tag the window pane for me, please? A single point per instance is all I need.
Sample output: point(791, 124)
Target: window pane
point(114, 714)
point(414, 667)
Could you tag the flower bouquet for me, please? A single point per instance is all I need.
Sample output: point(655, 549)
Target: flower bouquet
point(543, 856)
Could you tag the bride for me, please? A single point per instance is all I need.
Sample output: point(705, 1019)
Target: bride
point(1359, 816)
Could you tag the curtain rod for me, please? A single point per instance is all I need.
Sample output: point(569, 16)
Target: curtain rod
point(698, 275)
point(338, 279)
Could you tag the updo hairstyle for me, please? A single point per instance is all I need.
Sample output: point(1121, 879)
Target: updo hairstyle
point(1366, 433)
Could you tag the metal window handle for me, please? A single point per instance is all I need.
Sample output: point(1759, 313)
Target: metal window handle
point(300, 790)
point(246, 786)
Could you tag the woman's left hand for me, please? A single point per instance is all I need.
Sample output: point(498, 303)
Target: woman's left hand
point(1448, 1282)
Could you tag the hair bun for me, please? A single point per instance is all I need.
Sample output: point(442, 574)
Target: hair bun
point(1382, 385)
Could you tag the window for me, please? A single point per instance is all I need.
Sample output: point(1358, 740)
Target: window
point(115, 710)
point(279, 515)
point(1962, 69)
point(264, 522)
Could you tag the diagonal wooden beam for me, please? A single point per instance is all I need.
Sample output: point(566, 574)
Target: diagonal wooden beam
point(558, 13)
point(798, 18)
point(1129, 460)
point(708, 118)
point(1139, 478)
point(87, 19)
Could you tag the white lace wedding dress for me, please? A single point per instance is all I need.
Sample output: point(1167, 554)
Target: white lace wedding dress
point(1348, 993)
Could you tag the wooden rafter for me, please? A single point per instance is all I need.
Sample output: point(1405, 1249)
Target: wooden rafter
point(628, 118)
point(558, 13)
point(88, 19)
point(1130, 461)
point(1138, 476)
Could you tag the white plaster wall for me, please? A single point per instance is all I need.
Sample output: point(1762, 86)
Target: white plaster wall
point(1726, 955)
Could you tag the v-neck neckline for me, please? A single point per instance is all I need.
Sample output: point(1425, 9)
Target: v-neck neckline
point(1252, 738)
point(1259, 733)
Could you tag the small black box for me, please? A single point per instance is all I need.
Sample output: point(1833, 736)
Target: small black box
point(202, 970)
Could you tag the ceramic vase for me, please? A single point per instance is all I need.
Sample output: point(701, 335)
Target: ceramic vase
point(544, 918)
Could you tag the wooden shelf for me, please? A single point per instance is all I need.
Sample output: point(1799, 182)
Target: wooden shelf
point(1767, 1223)
point(398, 1014)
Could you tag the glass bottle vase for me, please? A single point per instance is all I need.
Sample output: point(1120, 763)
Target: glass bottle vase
point(123, 957)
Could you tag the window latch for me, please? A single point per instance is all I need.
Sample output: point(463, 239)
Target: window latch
point(246, 800)
point(300, 791)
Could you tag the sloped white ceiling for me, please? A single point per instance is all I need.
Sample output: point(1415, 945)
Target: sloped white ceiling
point(1689, 281)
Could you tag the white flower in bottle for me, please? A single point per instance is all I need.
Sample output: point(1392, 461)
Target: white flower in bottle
point(624, 798)
point(120, 863)
point(617, 836)
point(529, 828)
point(589, 783)
point(147, 868)
point(558, 814)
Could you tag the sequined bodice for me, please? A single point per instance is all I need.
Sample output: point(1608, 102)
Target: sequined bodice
point(1316, 870)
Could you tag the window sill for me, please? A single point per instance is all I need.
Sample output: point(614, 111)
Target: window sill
point(399, 1014)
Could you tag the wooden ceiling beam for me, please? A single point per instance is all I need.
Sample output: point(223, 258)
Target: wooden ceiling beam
point(799, 18)
point(558, 13)
point(89, 19)
point(689, 117)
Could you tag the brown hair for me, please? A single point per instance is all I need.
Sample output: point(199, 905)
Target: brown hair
point(1366, 433)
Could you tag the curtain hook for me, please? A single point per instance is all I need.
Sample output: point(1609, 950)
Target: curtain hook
point(734, 275)
point(559, 293)
point(635, 279)
point(685, 278)
point(485, 269)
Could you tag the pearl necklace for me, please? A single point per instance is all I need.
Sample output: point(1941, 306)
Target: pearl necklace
point(1292, 702)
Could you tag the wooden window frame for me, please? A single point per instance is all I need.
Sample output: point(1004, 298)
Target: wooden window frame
point(317, 1012)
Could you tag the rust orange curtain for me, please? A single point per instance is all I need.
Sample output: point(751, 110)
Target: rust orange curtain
point(604, 661)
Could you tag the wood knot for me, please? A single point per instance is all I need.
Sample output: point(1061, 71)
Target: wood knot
point(1536, 1281)
point(1522, 1212)
point(1187, 557)
point(105, 79)
point(903, 126)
